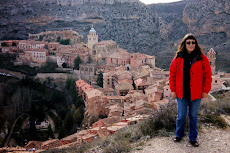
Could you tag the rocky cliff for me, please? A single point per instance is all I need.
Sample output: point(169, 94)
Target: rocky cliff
point(152, 29)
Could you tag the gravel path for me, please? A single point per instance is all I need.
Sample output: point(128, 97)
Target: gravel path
point(211, 140)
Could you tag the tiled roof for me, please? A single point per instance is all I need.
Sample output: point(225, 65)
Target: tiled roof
point(87, 87)
point(125, 86)
point(106, 42)
point(35, 50)
point(114, 128)
point(211, 51)
point(93, 93)
point(33, 144)
point(110, 120)
point(80, 83)
point(51, 143)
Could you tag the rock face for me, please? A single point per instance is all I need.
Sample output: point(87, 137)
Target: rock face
point(208, 16)
point(79, 2)
point(152, 29)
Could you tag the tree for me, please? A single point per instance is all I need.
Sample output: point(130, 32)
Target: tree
point(65, 41)
point(68, 122)
point(61, 132)
point(68, 83)
point(48, 81)
point(40, 38)
point(50, 133)
point(100, 79)
point(78, 116)
point(58, 39)
point(64, 65)
point(14, 44)
point(32, 129)
point(5, 45)
point(77, 62)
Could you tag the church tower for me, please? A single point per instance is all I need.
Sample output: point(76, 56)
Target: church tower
point(212, 59)
point(92, 38)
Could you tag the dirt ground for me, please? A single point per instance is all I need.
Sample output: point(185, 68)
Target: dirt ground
point(211, 140)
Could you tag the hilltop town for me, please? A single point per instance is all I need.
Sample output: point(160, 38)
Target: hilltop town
point(131, 85)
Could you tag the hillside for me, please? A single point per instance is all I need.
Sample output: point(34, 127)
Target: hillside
point(152, 29)
point(211, 139)
point(156, 133)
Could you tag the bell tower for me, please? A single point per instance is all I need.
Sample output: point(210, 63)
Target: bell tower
point(212, 59)
point(92, 38)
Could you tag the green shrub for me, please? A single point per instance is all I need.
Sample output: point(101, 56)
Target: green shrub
point(165, 118)
point(117, 147)
point(77, 149)
point(216, 120)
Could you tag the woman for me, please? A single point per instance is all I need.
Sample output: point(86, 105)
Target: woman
point(190, 80)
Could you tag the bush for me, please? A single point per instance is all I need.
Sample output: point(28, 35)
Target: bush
point(163, 119)
point(210, 111)
point(117, 147)
point(77, 149)
point(216, 120)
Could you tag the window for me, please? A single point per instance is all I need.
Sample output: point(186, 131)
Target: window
point(215, 81)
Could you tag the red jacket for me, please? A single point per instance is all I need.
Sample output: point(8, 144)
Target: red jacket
point(200, 77)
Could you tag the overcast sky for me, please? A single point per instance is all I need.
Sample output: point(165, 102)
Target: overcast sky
point(158, 1)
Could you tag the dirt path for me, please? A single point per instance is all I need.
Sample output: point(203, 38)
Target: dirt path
point(211, 140)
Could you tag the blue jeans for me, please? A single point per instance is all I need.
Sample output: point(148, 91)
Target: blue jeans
point(182, 106)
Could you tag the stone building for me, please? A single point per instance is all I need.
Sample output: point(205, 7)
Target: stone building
point(51, 144)
point(88, 68)
point(155, 92)
point(9, 46)
point(9, 50)
point(120, 81)
point(143, 82)
point(103, 49)
point(143, 107)
point(95, 103)
point(35, 55)
point(53, 47)
point(217, 83)
point(167, 92)
point(138, 59)
point(212, 59)
point(9, 43)
point(120, 57)
point(130, 102)
point(26, 44)
point(92, 39)
point(67, 54)
point(53, 36)
point(99, 51)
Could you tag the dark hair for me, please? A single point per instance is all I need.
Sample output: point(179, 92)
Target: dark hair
point(182, 46)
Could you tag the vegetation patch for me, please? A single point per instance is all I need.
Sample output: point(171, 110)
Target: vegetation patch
point(162, 122)
point(210, 112)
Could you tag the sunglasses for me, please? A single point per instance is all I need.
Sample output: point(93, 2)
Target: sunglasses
point(189, 42)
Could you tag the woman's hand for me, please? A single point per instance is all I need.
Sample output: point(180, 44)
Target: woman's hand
point(173, 94)
point(204, 95)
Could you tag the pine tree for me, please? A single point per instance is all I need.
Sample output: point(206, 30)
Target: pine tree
point(77, 62)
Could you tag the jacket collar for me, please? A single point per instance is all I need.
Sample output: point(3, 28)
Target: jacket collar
point(196, 58)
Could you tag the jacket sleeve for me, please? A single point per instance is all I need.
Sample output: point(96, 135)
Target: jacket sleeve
point(207, 75)
point(172, 75)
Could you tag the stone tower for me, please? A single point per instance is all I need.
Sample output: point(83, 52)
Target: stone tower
point(92, 38)
point(212, 59)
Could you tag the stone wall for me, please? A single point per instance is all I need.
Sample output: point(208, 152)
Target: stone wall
point(64, 76)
